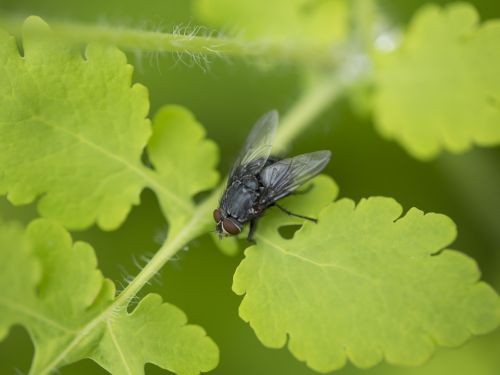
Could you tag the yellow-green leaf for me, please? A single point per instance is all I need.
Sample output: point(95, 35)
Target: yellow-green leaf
point(440, 90)
point(362, 284)
point(72, 128)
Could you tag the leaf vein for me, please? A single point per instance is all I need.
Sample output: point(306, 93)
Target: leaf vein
point(313, 262)
point(117, 346)
point(149, 178)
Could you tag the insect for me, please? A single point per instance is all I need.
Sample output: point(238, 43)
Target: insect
point(258, 180)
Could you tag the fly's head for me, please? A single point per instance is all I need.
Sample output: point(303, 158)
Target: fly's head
point(226, 226)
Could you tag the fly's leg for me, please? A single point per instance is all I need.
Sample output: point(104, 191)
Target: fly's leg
point(251, 232)
point(296, 215)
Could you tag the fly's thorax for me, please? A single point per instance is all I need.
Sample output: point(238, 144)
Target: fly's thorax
point(250, 183)
point(240, 198)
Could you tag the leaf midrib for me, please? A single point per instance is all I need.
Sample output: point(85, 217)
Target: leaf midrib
point(118, 348)
point(339, 267)
point(148, 175)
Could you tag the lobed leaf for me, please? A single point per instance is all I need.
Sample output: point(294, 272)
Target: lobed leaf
point(440, 90)
point(478, 357)
point(164, 340)
point(73, 129)
point(67, 307)
point(184, 160)
point(16, 289)
point(319, 22)
point(363, 283)
point(228, 246)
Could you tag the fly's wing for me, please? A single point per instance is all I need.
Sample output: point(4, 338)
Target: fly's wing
point(284, 176)
point(257, 148)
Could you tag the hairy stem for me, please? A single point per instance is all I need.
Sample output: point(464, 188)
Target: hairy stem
point(195, 227)
point(303, 53)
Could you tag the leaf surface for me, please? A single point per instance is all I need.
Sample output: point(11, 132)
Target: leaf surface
point(441, 89)
point(184, 160)
point(164, 340)
point(72, 129)
point(364, 283)
point(66, 306)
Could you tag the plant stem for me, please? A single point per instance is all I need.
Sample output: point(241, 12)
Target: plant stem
point(310, 104)
point(310, 54)
point(194, 228)
point(318, 96)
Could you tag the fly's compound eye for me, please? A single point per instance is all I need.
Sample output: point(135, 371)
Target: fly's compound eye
point(217, 215)
point(230, 227)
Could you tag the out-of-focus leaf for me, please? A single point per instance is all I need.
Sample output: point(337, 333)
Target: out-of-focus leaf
point(478, 357)
point(440, 90)
point(228, 245)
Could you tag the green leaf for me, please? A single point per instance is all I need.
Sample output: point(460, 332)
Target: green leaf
point(228, 245)
point(363, 283)
point(67, 307)
point(478, 357)
point(318, 22)
point(440, 90)
point(72, 130)
point(16, 286)
point(164, 340)
point(184, 160)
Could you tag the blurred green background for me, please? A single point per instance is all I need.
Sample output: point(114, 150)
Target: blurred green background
point(227, 98)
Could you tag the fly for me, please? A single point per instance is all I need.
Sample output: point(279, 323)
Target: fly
point(258, 180)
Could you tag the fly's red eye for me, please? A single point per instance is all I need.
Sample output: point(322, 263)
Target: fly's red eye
point(217, 215)
point(230, 227)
